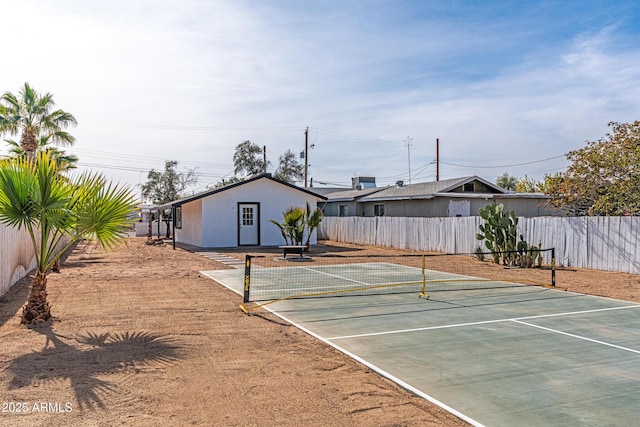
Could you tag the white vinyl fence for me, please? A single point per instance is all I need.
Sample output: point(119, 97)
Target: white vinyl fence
point(142, 229)
point(602, 243)
point(16, 257)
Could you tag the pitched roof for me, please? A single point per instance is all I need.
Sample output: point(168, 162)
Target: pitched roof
point(429, 190)
point(234, 185)
point(350, 195)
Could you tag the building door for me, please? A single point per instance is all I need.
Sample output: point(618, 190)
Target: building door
point(248, 224)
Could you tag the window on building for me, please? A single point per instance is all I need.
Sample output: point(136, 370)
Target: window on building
point(469, 186)
point(344, 210)
point(178, 218)
point(378, 210)
point(247, 216)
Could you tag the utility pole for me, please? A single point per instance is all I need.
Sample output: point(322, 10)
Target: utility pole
point(437, 159)
point(306, 155)
point(264, 153)
point(409, 142)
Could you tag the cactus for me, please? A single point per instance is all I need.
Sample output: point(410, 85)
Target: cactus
point(499, 232)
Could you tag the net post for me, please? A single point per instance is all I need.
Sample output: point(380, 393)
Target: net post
point(247, 277)
point(553, 267)
point(424, 294)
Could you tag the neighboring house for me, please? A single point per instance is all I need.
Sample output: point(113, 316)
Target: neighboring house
point(238, 214)
point(346, 202)
point(452, 197)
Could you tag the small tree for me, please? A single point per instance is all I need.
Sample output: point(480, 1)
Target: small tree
point(299, 223)
point(507, 182)
point(293, 226)
point(249, 158)
point(57, 212)
point(289, 169)
point(312, 219)
point(167, 186)
point(530, 185)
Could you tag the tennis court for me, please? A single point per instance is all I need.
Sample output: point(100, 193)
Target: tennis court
point(497, 355)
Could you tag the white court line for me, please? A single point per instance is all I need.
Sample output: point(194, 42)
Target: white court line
point(486, 322)
point(578, 337)
point(336, 276)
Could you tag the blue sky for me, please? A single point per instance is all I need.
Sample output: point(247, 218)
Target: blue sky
point(506, 86)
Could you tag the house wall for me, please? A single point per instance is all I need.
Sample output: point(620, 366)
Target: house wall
point(439, 207)
point(527, 207)
point(333, 208)
point(219, 220)
point(192, 230)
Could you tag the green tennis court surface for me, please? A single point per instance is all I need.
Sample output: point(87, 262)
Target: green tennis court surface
point(505, 356)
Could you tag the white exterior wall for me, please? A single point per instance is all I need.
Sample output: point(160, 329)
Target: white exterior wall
point(212, 221)
point(191, 231)
point(220, 212)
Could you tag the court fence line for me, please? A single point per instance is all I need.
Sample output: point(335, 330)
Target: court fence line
point(600, 243)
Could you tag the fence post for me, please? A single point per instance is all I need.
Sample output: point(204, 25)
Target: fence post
point(553, 266)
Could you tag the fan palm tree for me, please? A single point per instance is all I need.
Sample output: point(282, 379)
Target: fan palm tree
point(57, 211)
point(293, 226)
point(30, 115)
point(65, 161)
point(312, 219)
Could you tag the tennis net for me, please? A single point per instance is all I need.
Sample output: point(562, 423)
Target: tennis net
point(338, 275)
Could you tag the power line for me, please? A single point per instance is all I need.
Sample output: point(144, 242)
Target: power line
point(138, 158)
point(503, 166)
point(206, 128)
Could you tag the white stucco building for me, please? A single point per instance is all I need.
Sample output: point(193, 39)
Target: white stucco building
point(238, 214)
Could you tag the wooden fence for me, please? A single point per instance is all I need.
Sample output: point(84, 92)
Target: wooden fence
point(602, 243)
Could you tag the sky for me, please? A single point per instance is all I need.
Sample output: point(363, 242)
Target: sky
point(505, 86)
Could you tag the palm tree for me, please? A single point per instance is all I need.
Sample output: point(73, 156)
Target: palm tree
point(30, 115)
point(65, 161)
point(312, 219)
point(57, 212)
point(293, 226)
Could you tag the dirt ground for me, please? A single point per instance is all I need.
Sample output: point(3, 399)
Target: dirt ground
point(140, 337)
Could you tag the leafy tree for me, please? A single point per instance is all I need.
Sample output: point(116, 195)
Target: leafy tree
point(507, 182)
point(603, 177)
point(249, 158)
point(165, 187)
point(54, 210)
point(530, 185)
point(289, 169)
point(30, 115)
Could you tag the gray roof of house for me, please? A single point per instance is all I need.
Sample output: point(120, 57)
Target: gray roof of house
point(429, 190)
point(328, 190)
point(351, 195)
